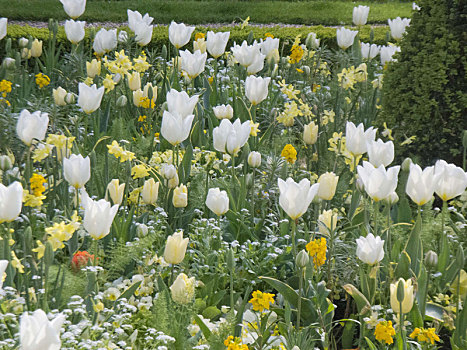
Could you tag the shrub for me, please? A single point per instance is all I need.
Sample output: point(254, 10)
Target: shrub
point(424, 93)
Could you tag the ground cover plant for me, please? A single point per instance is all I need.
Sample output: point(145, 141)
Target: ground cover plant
point(210, 194)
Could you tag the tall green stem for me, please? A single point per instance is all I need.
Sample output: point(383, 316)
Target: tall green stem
point(294, 247)
point(299, 302)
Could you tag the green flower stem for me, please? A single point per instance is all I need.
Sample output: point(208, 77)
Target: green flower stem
point(389, 242)
point(375, 217)
point(299, 302)
point(294, 247)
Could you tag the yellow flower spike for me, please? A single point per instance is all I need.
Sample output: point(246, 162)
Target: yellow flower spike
point(42, 80)
point(139, 171)
point(384, 332)
point(16, 263)
point(289, 153)
point(261, 301)
point(317, 249)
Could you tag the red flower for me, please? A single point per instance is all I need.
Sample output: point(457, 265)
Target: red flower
point(80, 260)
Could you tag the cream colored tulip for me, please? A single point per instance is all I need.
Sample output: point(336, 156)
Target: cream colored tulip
point(310, 133)
point(59, 95)
point(327, 185)
point(180, 196)
point(93, 68)
point(407, 303)
point(327, 222)
point(36, 48)
point(183, 289)
point(134, 81)
point(115, 190)
point(150, 192)
point(175, 248)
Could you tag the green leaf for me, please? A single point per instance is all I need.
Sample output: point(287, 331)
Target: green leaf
point(363, 305)
point(403, 267)
point(370, 344)
point(434, 311)
point(127, 294)
point(204, 329)
point(414, 247)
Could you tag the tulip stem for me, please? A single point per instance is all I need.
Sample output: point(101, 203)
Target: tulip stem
point(389, 244)
point(375, 224)
point(172, 274)
point(294, 247)
point(253, 198)
point(299, 302)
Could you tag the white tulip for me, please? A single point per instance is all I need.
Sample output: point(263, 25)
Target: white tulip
point(32, 126)
point(175, 248)
point(105, 41)
point(310, 133)
point(269, 46)
point(77, 170)
point(451, 181)
point(59, 96)
point(115, 190)
point(3, 27)
point(327, 185)
point(168, 171)
point(223, 112)
point(216, 43)
point(179, 34)
point(93, 68)
point(150, 192)
point(254, 159)
point(11, 201)
point(380, 153)
point(398, 27)
point(98, 216)
point(37, 332)
point(90, 97)
point(369, 51)
point(74, 8)
point(134, 18)
point(345, 37)
point(312, 41)
point(356, 138)
point(257, 64)
point(379, 183)
point(176, 128)
point(193, 63)
point(183, 289)
point(230, 137)
point(181, 103)
point(74, 30)
point(217, 201)
point(143, 33)
point(245, 54)
point(360, 15)
point(295, 198)
point(386, 53)
point(421, 184)
point(256, 89)
point(134, 81)
point(370, 249)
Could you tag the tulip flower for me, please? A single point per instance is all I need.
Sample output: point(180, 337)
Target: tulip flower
point(345, 37)
point(193, 63)
point(150, 192)
point(327, 185)
point(3, 266)
point(199, 45)
point(407, 302)
point(11, 201)
point(398, 27)
point(77, 170)
point(74, 31)
point(216, 43)
point(312, 41)
point(175, 128)
point(310, 133)
point(393, 198)
point(360, 15)
point(59, 96)
point(135, 18)
point(9, 63)
point(37, 332)
point(36, 48)
point(181, 103)
point(32, 126)
point(230, 137)
point(179, 34)
point(386, 53)
point(183, 289)
point(115, 191)
point(421, 184)
point(223, 112)
point(356, 138)
point(245, 54)
point(295, 198)
point(256, 89)
point(90, 97)
point(451, 181)
point(3, 27)
point(105, 41)
point(134, 81)
point(180, 196)
point(143, 32)
point(149, 92)
point(98, 216)
point(93, 68)
point(168, 171)
point(257, 64)
point(74, 8)
point(379, 183)
point(370, 249)
point(254, 159)
point(327, 221)
point(175, 248)
point(217, 201)
point(269, 47)
point(380, 153)
point(369, 51)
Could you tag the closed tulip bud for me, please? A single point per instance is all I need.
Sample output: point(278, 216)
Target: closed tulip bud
point(105, 41)
point(183, 289)
point(74, 31)
point(193, 63)
point(392, 199)
point(9, 63)
point(327, 185)
point(223, 112)
point(179, 34)
point(90, 97)
point(142, 230)
point(311, 41)
point(180, 196)
point(150, 192)
point(231, 137)
point(59, 95)
point(70, 98)
point(36, 48)
point(310, 133)
point(122, 36)
point(32, 126)
point(181, 103)
point(175, 248)
point(217, 201)
point(254, 159)
point(398, 27)
point(23, 42)
point(168, 171)
point(256, 89)
point(37, 332)
point(115, 190)
point(406, 164)
point(77, 170)
point(3, 27)
point(360, 15)
point(98, 216)
point(11, 201)
point(370, 249)
point(295, 198)
point(216, 43)
point(5, 163)
point(74, 8)
point(431, 260)
point(175, 128)
point(345, 37)
point(122, 101)
point(357, 138)
point(134, 81)
point(173, 182)
point(407, 296)
point(451, 180)
point(380, 153)
point(421, 184)
point(93, 68)
point(379, 183)
point(302, 259)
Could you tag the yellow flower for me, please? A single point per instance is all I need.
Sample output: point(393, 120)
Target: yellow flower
point(289, 90)
point(108, 83)
point(387, 132)
point(33, 201)
point(139, 171)
point(42, 80)
point(384, 332)
point(62, 144)
point(328, 117)
point(41, 152)
point(5, 87)
point(88, 81)
point(16, 263)
point(115, 149)
point(296, 54)
point(39, 250)
point(37, 184)
point(269, 35)
point(254, 128)
point(234, 343)
point(199, 36)
point(317, 249)
point(261, 301)
point(427, 335)
point(140, 64)
point(289, 153)
point(245, 22)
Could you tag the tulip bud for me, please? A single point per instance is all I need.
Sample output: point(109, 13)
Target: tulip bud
point(70, 98)
point(230, 260)
point(217, 201)
point(310, 133)
point(23, 42)
point(306, 69)
point(36, 48)
point(431, 259)
point(405, 166)
point(254, 159)
point(180, 196)
point(93, 68)
point(175, 248)
point(142, 230)
point(150, 192)
point(400, 291)
point(9, 63)
point(59, 95)
point(5, 163)
point(168, 171)
point(460, 256)
point(393, 198)
point(327, 185)
point(223, 112)
point(302, 259)
point(121, 101)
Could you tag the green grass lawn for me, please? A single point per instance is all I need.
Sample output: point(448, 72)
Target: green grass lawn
point(198, 12)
